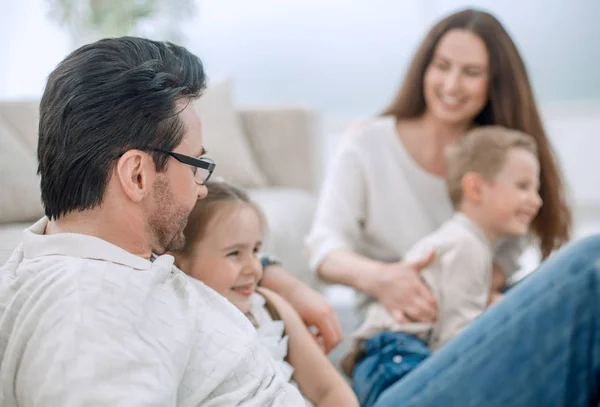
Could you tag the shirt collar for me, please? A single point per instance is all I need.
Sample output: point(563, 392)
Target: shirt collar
point(473, 227)
point(36, 244)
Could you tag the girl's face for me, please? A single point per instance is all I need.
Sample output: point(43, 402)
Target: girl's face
point(225, 258)
point(456, 80)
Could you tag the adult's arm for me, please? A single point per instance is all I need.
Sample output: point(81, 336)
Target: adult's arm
point(337, 229)
point(397, 286)
point(313, 308)
point(73, 365)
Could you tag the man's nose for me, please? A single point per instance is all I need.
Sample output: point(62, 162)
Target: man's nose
point(202, 191)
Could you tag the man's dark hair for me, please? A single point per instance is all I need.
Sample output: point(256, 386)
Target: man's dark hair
point(103, 99)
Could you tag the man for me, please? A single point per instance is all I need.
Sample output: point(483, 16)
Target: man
point(91, 312)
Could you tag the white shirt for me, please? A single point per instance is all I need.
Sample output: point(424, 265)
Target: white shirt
point(273, 337)
point(85, 323)
point(378, 202)
point(459, 278)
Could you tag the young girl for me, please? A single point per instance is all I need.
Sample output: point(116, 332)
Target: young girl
point(223, 239)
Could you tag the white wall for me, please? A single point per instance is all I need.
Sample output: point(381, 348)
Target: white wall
point(347, 57)
point(30, 47)
point(574, 129)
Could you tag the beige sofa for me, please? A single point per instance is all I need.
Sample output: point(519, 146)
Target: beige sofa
point(271, 152)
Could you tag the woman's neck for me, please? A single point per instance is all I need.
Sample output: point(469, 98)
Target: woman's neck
point(440, 133)
point(425, 139)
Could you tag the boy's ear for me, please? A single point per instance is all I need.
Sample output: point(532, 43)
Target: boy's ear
point(472, 186)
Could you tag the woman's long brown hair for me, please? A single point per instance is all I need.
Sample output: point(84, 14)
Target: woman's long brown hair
point(510, 104)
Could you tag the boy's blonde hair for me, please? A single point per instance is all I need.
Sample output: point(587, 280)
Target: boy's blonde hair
point(219, 194)
point(482, 150)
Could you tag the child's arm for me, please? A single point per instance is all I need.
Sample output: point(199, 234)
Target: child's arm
point(312, 307)
point(315, 375)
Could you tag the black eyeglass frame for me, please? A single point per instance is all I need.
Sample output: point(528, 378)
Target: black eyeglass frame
point(202, 162)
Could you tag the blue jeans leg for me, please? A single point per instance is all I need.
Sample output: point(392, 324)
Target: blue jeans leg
point(388, 357)
point(540, 346)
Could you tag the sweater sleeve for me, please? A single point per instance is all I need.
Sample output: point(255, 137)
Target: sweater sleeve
point(341, 207)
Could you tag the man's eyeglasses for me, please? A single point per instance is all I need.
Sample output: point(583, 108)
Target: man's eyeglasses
point(203, 167)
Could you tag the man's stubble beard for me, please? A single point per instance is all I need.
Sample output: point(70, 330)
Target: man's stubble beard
point(168, 221)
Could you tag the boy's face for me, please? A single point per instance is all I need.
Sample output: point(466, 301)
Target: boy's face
point(512, 200)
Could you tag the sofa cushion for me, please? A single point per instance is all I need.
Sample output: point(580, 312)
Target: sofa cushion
point(10, 238)
point(23, 117)
point(20, 199)
point(224, 137)
point(289, 213)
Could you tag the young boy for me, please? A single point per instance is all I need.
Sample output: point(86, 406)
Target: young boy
point(492, 175)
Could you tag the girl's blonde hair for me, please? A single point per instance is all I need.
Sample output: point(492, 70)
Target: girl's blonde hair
point(219, 194)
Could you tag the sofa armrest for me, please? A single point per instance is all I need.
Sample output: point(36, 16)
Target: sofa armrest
point(285, 144)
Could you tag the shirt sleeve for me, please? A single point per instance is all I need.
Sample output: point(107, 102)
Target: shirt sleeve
point(341, 207)
point(464, 285)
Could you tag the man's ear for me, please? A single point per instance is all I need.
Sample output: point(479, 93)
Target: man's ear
point(472, 186)
point(132, 172)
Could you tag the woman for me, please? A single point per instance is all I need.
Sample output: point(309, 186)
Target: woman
point(385, 191)
point(385, 188)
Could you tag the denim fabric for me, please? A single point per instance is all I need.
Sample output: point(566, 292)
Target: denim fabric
point(388, 357)
point(539, 346)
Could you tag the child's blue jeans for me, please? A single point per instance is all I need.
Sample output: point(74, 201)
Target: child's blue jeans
point(384, 359)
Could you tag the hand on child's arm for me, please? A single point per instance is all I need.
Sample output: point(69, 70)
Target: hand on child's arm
point(400, 289)
point(312, 307)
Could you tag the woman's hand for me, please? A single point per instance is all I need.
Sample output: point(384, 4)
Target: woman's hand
point(399, 288)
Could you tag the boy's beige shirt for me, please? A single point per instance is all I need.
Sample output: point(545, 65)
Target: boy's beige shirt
point(459, 278)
